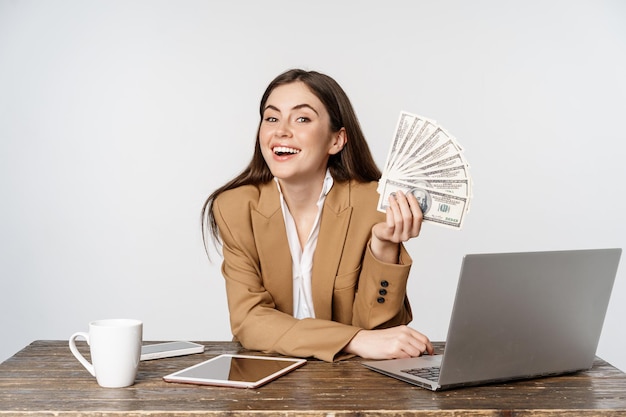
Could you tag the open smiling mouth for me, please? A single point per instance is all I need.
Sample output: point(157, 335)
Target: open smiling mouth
point(282, 150)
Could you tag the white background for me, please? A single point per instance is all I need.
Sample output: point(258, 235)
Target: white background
point(118, 118)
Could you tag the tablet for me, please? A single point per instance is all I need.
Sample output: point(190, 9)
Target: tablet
point(239, 371)
point(169, 349)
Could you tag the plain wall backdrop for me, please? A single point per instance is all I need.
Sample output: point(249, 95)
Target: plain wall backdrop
point(118, 118)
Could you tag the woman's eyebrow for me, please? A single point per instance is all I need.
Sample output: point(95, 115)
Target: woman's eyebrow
point(297, 107)
point(307, 106)
point(270, 107)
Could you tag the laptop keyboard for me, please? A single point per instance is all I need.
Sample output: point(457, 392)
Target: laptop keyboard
point(430, 373)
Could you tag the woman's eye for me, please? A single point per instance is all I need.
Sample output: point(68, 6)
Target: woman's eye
point(302, 119)
point(270, 119)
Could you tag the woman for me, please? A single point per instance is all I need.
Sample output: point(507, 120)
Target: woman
point(311, 267)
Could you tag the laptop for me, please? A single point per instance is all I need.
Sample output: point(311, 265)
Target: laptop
point(518, 316)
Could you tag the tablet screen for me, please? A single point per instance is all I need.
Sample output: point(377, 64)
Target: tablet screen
point(236, 371)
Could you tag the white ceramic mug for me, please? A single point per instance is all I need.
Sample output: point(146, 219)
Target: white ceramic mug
point(115, 347)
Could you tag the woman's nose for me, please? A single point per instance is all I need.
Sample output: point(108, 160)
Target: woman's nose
point(283, 129)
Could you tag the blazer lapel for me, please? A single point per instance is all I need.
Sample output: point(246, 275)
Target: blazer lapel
point(330, 244)
point(271, 241)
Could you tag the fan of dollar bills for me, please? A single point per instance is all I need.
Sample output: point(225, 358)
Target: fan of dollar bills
point(426, 160)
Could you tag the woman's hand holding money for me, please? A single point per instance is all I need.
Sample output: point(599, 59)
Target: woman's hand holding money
point(404, 221)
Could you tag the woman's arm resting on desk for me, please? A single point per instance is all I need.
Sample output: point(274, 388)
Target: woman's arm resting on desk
point(392, 343)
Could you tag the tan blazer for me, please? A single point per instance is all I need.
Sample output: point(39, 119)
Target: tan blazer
point(352, 290)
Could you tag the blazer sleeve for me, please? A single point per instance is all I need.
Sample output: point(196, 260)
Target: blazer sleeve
point(255, 321)
point(381, 300)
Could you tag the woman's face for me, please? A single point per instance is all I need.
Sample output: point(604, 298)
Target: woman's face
point(295, 135)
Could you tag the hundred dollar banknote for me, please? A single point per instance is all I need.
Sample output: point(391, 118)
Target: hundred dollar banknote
point(426, 160)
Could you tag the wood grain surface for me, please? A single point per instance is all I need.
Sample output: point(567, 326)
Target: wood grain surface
point(44, 379)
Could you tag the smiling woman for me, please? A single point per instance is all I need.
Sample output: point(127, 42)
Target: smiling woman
point(296, 140)
point(311, 267)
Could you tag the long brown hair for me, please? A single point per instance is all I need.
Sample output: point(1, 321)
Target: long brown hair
point(354, 162)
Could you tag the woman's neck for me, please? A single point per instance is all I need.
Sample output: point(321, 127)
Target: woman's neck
point(301, 199)
point(301, 195)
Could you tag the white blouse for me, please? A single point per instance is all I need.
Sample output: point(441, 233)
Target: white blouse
point(302, 259)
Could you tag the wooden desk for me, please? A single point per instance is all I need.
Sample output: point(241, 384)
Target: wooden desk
point(45, 379)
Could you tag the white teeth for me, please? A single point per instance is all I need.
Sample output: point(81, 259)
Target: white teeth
point(283, 150)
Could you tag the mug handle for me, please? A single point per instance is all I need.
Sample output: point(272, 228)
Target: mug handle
point(78, 355)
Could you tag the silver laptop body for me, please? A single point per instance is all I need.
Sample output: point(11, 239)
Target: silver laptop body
point(519, 316)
